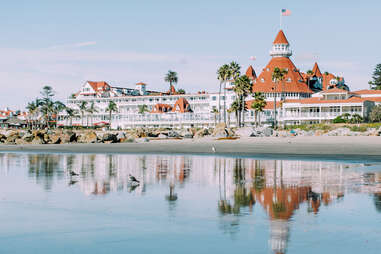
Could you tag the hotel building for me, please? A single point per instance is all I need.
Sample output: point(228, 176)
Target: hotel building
point(311, 97)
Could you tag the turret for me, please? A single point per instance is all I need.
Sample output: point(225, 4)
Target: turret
point(281, 47)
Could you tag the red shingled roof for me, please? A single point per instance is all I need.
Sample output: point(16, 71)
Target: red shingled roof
point(316, 71)
point(181, 106)
point(316, 100)
point(293, 81)
point(269, 105)
point(366, 91)
point(251, 73)
point(334, 90)
point(161, 108)
point(98, 85)
point(280, 38)
point(327, 79)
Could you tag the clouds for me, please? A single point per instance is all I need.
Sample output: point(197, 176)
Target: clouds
point(74, 45)
point(66, 67)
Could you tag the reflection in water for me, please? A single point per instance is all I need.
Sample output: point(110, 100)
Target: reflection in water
point(279, 187)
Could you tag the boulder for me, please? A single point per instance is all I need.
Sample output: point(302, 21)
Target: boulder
point(173, 134)
point(244, 132)
point(110, 137)
point(68, 137)
point(55, 139)
point(37, 140)
point(220, 133)
point(142, 140)
point(28, 137)
point(188, 135)
point(162, 136)
point(201, 133)
point(121, 135)
point(20, 142)
point(220, 126)
point(88, 137)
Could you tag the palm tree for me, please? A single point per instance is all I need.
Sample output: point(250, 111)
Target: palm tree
point(258, 105)
point(92, 110)
point(235, 72)
point(223, 75)
point(57, 108)
point(242, 87)
point(143, 109)
point(277, 76)
point(215, 113)
point(229, 111)
point(171, 77)
point(32, 108)
point(70, 114)
point(236, 107)
point(82, 108)
point(111, 107)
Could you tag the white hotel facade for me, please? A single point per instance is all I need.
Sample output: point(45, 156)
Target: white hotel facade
point(312, 97)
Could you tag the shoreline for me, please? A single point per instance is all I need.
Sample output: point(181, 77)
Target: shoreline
point(347, 148)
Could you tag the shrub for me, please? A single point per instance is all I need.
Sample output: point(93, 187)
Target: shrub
point(339, 119)
point(375, 114)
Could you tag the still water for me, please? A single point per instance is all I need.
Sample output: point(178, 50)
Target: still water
point(186, 204)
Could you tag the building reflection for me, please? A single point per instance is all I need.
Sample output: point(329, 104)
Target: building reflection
point(278, 187)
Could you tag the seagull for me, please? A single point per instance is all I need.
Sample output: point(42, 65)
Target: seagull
point(213, 149)
point(72, 173)
point(133, 180)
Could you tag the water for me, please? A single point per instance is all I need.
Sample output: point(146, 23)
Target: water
point(186, 204)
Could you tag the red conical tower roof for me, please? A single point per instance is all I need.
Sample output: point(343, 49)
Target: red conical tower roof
point(280, 38)
point(316, 70)
point(251, 73)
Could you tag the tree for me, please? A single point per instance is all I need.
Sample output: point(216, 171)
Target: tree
point(242, 87)
point(111, 107)
point(171, 77)
point(375, 83)
point(375, 114)
point(92, 110)
point(235, 72)
point(356, 118)
point(142, 109)
point(32, 108)
point(58, 107)
point(82, 108)
point(47, 92)
point(70, 114)
point(258, 105)
point(236, 108)
point(181, 91)
point(278, 75)
point(215, 113)
point(223, 75)
point(310, 72)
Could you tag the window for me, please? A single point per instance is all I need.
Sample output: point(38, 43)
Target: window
point(262, 80)
point(289, 80)
point(214, 98)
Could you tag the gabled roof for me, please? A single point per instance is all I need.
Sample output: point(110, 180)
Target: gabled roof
point(181, 106)
point(366, 91)
point(251, 73)
point(326, 79)
point(293, 82)
point(316, 70)
point(161, 108)
point(280, 38)
point(334, 90)
point(98, 85)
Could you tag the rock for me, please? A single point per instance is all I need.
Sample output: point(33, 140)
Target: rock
point(109, 137)
point(68, 137)
point(142, 140)
point(38, 140)
point(201, 133)
point(220, 126)
point(127, 140)
point(28, 137)
point(173, 134)
point(121, 135)
point(188, 135)
point(20, 142)
point(162, 136)
point(220, 133)
point(55, 139)
point(88, 137)
point(244, 132)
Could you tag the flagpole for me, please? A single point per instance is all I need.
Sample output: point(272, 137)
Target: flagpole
point(280, 20)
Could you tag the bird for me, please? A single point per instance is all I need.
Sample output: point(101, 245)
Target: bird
point(133, 180)
point(213, 149)
point(72, 173)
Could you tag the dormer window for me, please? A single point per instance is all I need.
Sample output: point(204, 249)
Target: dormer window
point(262, 80)
point(289, 80)
point(268, 69)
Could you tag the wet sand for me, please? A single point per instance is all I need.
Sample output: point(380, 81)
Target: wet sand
point(315, 147)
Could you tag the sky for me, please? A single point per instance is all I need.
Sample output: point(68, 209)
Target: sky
point(65, 43)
